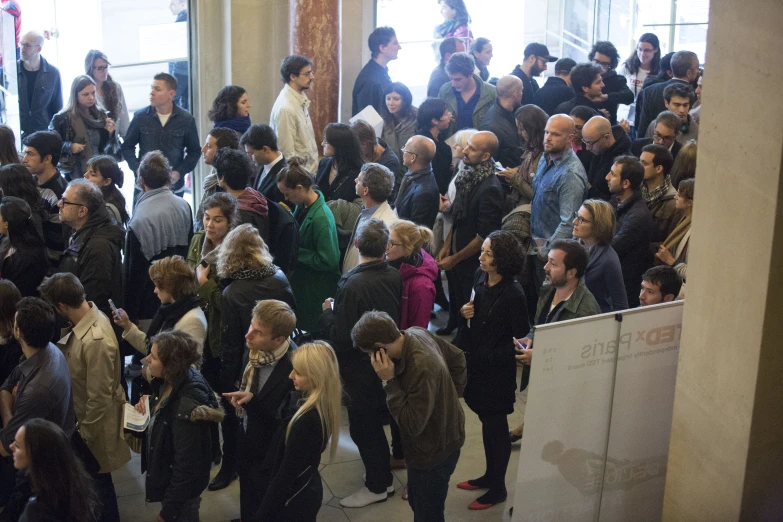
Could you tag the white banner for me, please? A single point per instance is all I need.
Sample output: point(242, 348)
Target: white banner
point(602, 385)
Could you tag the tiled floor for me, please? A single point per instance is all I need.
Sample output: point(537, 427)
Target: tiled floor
point(341, 478)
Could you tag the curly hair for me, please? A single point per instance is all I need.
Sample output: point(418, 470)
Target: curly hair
point(174, 275)
point(507, 253)
point(607, 49)
point(227, 205)
point(242, 249)
point(233, 167)
point(177, 351)
point(224, 106)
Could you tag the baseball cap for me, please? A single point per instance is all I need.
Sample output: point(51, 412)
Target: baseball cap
point(539, 50)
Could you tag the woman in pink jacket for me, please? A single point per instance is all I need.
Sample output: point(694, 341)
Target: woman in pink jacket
point(417, 268)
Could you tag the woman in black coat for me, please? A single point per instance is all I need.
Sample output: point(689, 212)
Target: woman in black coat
point(177, 454)
point(292, 490)
point(22, 250)
point(495, 315)
point(341, 164)
point(248, 275)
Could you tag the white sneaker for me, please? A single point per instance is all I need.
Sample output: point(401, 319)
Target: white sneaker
point(363, 497)
point(389, 489)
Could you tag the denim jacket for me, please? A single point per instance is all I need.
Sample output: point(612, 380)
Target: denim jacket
point(559, 188)
point(178, 141)
point(47, 98)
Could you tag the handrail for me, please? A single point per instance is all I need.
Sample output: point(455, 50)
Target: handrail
point(126, 65)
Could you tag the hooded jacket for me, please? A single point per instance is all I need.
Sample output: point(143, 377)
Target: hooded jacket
point(177, 454)
point(418, 292)
point(94, 256)
point(601, 164)
point(254, 209)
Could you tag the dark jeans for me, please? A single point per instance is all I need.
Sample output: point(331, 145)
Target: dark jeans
point(396, 444)
point(104, 486)
point(230, 426)
point(366, 411)
point(427, 490)
point(497, 450)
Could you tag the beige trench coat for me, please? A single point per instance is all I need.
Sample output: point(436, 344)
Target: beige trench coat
point(93, 357)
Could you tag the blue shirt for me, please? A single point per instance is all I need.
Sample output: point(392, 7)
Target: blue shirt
point(559, 188)
point(465, 109)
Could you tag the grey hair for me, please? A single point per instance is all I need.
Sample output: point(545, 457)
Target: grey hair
point(379, 181)
point(88, 194)
point(670, 120)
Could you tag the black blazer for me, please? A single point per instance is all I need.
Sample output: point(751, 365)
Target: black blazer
point(554, 92)
point(484, 216)
point(268, 185)
point(419, 203)
point(638, 144)
point(343, 187)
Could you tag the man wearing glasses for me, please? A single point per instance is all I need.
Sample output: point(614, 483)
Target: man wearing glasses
point(685, 69)
point(606, 143)
point(534, 62)
point(666, 131)
point(40, 89)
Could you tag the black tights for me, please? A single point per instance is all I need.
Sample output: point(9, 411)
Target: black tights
point(497, 451)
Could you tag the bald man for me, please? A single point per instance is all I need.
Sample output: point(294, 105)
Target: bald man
point(418, 197)
point(500, 121)
point(40, 90)
point(559, 188)
point(477, 211)
point(606, 143)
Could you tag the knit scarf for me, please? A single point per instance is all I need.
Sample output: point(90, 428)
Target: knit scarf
point(651, 196)
point(81, 118)
point(468, 178)
point(168, 315)
point(446, 27)
point(254, 273)
point(238, 124)
point(258, 359)
point(677, 234)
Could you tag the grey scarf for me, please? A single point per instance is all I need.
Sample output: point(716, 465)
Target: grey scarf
point(161, 220)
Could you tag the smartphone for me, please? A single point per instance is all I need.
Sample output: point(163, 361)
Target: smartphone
point(521, 346)
point(204, 263)
point(114, 308)
point(331, 302)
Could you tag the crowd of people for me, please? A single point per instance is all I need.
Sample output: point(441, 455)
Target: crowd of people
point(308, 280)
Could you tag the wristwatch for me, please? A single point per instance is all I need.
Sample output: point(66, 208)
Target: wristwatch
point(384, 383)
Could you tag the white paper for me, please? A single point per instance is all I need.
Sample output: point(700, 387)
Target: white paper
point(135, 421)
point(472, 296)
point(371, 116)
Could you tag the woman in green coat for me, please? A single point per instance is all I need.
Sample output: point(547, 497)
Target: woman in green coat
point(317, 267)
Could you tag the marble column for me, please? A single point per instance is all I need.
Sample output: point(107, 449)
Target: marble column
point(726, 450)
point(315, 33)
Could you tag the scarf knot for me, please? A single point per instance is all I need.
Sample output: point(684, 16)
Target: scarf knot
point(467, 180)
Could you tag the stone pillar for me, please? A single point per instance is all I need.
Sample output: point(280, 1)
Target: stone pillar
point(726, 452)
point(315, 33)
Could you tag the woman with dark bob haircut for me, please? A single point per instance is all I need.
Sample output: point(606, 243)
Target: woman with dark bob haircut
point(495, 315)
point(231, 109)
point(22, 251)
point(399, 117)
point(341, 163)
point(61, 487)
point(176, 451)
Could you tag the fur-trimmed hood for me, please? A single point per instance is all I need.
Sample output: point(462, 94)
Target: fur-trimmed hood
point(207, 413)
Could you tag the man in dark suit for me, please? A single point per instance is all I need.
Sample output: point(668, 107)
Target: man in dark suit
point(477, 211)
point(265, 384)
point(418, 198)
point(667, 128)
point(260, 144)
point(650, 103)
point(557, 88)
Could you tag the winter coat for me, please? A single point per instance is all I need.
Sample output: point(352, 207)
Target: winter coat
point(601, 164)
point(665, 217)
point(239, 298)
point(487, 95)
point(177, 454)
point(529, 85)
point(73, 165)
point(47, 97)
point(554, 92)
point(484, 216)
point(25, 269)
point(253, 208)
point(578, 100)
point(318, 264)
point(94, 255)
point(419, 198)
point(385, 213)
point(210, 294)
point(396, 136)
point(500, 315)
point(604, 279)
point(502, 123)
point(418, 291)
point(632, 243)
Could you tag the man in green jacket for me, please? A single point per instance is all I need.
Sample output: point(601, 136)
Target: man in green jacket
point(468, 96)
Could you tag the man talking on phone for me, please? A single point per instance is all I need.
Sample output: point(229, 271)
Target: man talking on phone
point(423, 377)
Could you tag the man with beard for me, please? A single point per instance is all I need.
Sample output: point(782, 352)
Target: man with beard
point(477, 212)
point(290, 118)
point(536, 57)
point(564, 295)
point(559, 188)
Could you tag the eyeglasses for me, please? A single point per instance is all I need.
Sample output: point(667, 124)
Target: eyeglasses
point(393, 244)
point(660, 137)
point(605, 65)
point(579, 219)
point(589, 144)
point(408, 152)
point(101, 68)
point(66, 202)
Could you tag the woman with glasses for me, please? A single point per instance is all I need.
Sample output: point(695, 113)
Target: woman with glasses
point(85, 128)
point(22, 250)
point(107, 91)
point(605, 55)
point(341, 163)
point(594, 226)
point(645, 60)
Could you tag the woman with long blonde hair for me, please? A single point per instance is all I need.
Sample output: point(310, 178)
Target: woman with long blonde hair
point(311, 415)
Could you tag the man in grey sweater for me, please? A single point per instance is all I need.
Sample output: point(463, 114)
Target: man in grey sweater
point(423, 377)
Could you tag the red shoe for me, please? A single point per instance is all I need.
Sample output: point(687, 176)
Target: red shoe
point(468, 486)
point(476, 506)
